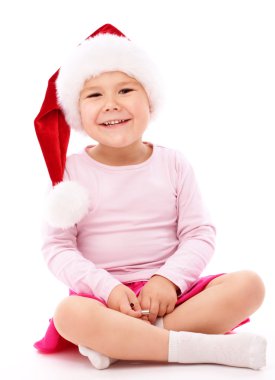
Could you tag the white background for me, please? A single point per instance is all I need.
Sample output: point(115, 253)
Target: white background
point(217, 61)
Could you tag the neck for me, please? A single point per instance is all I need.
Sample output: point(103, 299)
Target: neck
point(133, 154)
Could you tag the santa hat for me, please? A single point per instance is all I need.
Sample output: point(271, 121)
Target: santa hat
point(107, 49)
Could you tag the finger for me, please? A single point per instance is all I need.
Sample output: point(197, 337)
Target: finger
point(162, 309)
point(154, 309)
point(125, 307)
point(130, 312)
point(170, 308)
point(134, 305)
point(145, 318)
point(135, 310)
point(145, 303)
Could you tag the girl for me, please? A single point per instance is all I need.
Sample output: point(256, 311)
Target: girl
point(127, 230)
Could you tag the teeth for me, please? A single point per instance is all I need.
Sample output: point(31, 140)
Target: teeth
point(113, 122)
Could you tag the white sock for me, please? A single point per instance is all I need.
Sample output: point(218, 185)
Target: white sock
point(98, 360)
point(101, 361)
point(237, 350)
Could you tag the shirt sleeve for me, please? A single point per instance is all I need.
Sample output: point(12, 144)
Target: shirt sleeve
point(66, 262)
point(195, 231)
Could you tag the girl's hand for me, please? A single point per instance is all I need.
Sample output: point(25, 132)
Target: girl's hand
point(120, 299)
point(159, 295)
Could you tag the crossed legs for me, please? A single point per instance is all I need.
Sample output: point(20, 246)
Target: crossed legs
point(224, 303)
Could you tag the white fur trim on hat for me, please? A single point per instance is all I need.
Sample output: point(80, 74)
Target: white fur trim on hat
point(99, 54)
point(67, 203)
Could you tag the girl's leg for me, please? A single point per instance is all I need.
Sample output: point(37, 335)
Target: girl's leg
point(89, 323)
point(222, 305)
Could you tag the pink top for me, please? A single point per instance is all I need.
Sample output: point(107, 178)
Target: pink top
point(145, 219)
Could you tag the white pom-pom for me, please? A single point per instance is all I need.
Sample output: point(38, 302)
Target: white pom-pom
point(67, 203)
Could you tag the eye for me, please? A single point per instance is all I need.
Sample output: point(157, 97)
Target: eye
point(126, 90)
point(96, 94)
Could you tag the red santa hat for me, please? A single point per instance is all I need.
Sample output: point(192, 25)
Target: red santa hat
point(107, 49)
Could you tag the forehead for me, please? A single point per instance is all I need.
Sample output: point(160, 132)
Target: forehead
point(109, 78)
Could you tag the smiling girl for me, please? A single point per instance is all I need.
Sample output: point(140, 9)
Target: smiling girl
point(120, 127)
point(127, 229)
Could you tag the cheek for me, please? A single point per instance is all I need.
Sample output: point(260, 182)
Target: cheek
point(87, 113)
point(141, 108)
point(144, 112)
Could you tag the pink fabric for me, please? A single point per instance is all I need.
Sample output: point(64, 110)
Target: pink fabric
point(144, 219)
point(53, 342)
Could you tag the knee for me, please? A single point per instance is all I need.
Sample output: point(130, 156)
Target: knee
point(74, 312)
point(64, 314)
point(250, 288)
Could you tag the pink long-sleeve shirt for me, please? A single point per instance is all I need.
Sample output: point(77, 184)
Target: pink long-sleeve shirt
point(145, 219)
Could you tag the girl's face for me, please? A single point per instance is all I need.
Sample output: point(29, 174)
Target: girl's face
point(114, 97)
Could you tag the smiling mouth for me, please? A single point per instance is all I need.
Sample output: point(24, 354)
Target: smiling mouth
point(114, 124)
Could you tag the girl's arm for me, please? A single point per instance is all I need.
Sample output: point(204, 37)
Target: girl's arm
point(69, 266)
point(195, 231)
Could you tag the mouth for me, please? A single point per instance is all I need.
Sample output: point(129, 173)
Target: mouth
point(115, 123)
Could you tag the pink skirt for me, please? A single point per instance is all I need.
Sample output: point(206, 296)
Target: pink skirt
point(53, 342)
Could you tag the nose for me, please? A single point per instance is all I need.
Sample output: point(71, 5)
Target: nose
point(111, 105)
point(111, 108)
